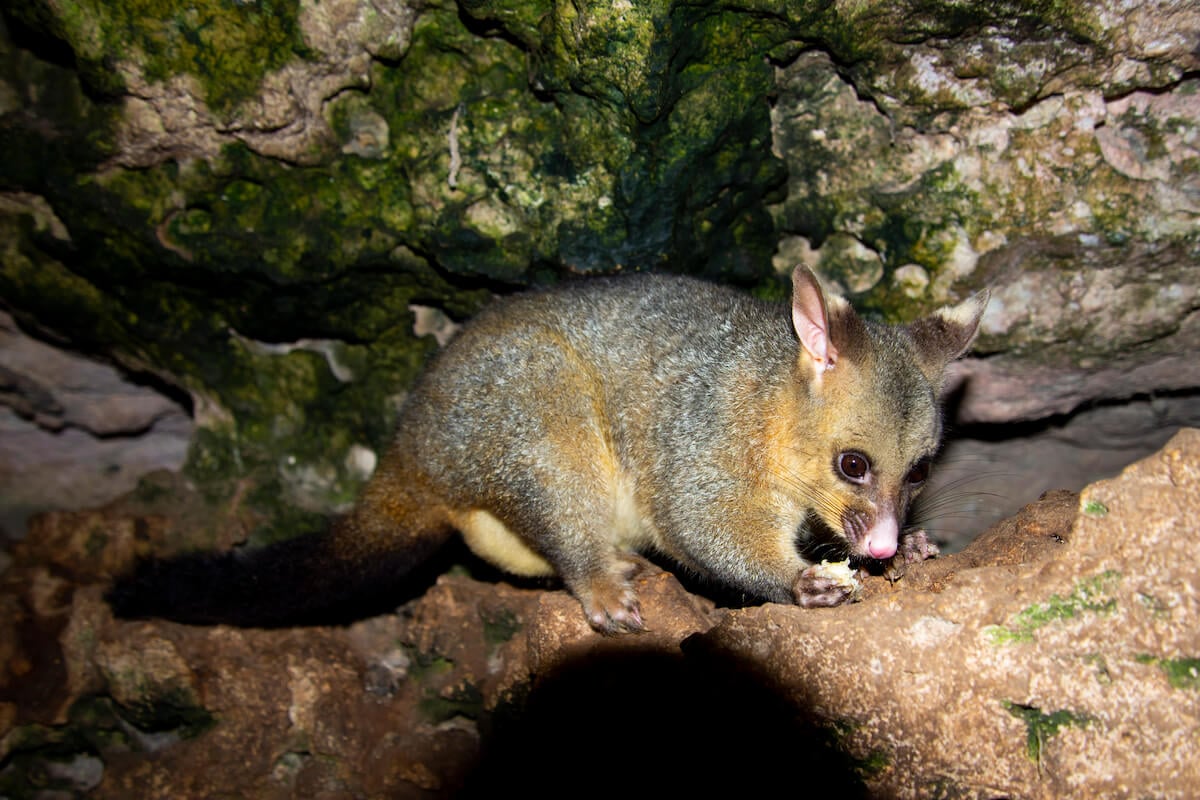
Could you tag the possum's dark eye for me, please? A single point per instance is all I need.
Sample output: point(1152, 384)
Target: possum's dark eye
point(918, 474)
point(853, 466)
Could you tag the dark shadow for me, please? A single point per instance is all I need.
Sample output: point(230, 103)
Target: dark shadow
point(653, 724)
point(288, 585)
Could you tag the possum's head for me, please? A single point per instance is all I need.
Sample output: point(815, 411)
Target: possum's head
point(875, 394)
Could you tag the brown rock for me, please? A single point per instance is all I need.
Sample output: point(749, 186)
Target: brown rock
point(1057, 656)
point(1037, 532)
point(1075, 676)
point(559, 633)
point(87, 545)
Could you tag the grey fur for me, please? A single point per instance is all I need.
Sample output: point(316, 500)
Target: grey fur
point(679, 384)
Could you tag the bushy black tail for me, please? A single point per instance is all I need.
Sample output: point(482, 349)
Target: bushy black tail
point(308, 580)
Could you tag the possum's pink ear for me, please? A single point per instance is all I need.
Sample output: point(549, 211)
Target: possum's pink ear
point(810, 319)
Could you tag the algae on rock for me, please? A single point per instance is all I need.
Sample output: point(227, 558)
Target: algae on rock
point(245, 200)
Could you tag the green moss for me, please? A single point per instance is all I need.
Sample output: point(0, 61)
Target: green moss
point(168, 709)
point(1100, 664)
point(874, 764)
point(1094, 508)
point(500, 627)
point(912, 230)
point(693, 188)
point(852, 34)
point(487, 210)
point(1040, 726)
point(213, 457)
point(867, 766)
point(773, 288)
point(425, 666)
point(96, 542)
point(95, 726)
point(524, 19)
point(92, 726)
point(439, 702)
point(463, 701)
point(152, 490)
point(1182, 673)
point(1149, 136)
point(228, 46)
point(1155, 605)
point(1092, 596)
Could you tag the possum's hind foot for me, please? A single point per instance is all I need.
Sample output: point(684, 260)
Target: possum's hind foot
point(610, 601)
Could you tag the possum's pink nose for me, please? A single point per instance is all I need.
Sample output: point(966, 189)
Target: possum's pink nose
point(881, 540)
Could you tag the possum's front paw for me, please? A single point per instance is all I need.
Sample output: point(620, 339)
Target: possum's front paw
point(825, 584)
point(914, 547)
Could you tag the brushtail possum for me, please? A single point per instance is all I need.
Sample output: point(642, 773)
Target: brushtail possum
point(563, 431)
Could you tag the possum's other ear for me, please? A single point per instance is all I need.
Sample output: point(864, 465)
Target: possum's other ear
point(946, 334)
point(811, 320)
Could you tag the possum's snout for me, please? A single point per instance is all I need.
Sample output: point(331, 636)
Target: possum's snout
point(877, 538)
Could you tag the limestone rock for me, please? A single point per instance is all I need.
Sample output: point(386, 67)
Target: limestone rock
point(74, 432)
point(247, 199)
point(984, 158)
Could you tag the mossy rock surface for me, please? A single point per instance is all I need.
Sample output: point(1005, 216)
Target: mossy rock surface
point(244, 200)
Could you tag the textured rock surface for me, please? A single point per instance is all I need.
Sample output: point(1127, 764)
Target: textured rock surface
point(74, 433)
point(1057, 656)
point(245, 200)
point(1073, 675)
point(1080, 212)
point(987, 473)
point(254, 202)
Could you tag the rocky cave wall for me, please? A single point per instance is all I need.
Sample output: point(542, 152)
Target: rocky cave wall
point(242, 208)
